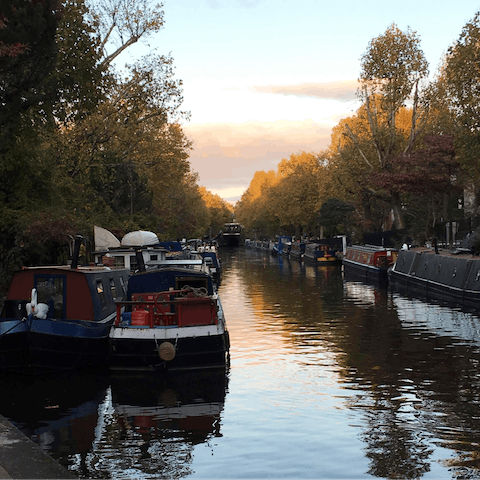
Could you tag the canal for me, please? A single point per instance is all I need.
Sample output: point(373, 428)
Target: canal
point(327, 379)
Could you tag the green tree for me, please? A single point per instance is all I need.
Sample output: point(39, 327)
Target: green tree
point(336, 217)
point(458, 84)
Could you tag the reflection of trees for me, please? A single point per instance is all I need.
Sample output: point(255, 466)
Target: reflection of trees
point(417, 385)
point(395, 449)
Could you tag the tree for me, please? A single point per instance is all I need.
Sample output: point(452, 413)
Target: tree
point(219, 212)
point(121, 23)
point(28, 52)
point(254, 210)
point(391, 71)
point(336, 217)
point(299, 193)
point(459, 82)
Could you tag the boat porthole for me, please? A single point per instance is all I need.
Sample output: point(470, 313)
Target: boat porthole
point(439, 268)
point(478, 276)
point(425, 266)
point(454, 272)
point(166, 351)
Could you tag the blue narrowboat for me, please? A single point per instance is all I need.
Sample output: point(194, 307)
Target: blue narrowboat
point(58, 318)
point(173, 321)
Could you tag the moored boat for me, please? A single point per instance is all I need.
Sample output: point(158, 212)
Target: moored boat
point(232, 235)
point(443, 276)
point(297, 250)
point(134, 250)
point(58, 318)
point(282, 245)
point(175, 321)
point(321, 253)
point(211, 257)
point(369, 262)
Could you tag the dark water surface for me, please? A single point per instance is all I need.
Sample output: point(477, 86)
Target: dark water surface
point(327, 379)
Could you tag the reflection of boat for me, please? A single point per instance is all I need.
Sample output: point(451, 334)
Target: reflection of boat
point(59, 413)
point(438, 319)
point(149, 425)
point(442, 276)
point(67, 322)
point(232, 235)
point(369, 262)
point(193, 400)
point(176, 321)
point(113, 426)
point(363, 294)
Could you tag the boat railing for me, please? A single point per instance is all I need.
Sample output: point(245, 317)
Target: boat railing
point(186, 307)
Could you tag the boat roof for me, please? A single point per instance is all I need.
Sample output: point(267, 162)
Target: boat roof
point(81, 268)
point(174, 262)
point(371, 248)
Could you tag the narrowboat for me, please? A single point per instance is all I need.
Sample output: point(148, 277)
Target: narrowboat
point(58, 318)
point(445, 276)
point(368, 262)
point(111, 252)
point(173, 320)
point(282, 246)
point(320, 254)
point(211, 257)
point(297, 250)
point(232, 235)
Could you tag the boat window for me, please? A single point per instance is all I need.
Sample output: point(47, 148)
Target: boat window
point(101, 293)
point(133, 263)
point(119, 261)
point(50, 290)
point(153, 257)
point(113, 288)
point(195, 282)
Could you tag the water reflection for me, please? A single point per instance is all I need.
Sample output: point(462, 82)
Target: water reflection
point(419, 362)
point(119, 426)
point(409, 368)
point(329, 378)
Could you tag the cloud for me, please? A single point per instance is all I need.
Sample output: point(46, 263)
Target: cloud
point(226, 156)
point(341, 90)
point(230, 194)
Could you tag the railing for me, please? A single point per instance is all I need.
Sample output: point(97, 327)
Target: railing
point(165, 309)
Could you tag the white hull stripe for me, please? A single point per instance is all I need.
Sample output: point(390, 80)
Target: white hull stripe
point(165, 333)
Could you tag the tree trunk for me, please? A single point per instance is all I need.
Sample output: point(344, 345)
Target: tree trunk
point(397, 209)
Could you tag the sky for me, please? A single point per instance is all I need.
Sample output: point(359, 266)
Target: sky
point(265, 79)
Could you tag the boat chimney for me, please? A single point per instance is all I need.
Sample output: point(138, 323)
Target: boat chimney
point(140, 261)
point(76, 252)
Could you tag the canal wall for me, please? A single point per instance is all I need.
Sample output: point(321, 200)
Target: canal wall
point(22, 458)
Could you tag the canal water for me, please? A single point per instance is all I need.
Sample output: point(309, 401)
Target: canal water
point(327, 379)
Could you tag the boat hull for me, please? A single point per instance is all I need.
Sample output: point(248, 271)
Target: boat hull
point(138, 349)
point(448, 278)
point(366, 273)
point(37, 346)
